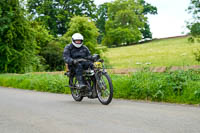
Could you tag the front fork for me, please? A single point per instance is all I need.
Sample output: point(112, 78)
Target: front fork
point(99, 80)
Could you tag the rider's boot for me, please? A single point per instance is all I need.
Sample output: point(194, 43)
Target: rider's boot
point(81, 84)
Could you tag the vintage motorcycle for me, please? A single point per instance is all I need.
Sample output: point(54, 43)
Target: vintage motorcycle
point(98, 83)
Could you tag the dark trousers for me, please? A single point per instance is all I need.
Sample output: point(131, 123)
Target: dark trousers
point(78, 69)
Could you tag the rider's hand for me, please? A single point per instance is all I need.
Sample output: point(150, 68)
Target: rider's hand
point(95, 57)
point(89, 58)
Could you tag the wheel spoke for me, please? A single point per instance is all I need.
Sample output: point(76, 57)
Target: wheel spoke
point(104, 89)
point(75, 93)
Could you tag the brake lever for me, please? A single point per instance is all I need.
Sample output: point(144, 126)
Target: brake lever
point(101, 60)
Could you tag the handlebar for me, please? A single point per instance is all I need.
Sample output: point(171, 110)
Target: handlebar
point(101, 60)
point(80, 60)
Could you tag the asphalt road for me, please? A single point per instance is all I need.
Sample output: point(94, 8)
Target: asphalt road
point(23, 111)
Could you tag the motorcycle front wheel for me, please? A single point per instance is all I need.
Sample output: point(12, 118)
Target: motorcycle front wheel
point(104, 88)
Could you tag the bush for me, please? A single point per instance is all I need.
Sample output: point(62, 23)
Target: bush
point(191, 39)
point(53, 55)
point(39, 82)
point(197, 55)
point(178, 87)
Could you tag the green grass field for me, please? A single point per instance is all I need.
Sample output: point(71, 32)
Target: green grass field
point(166, 52)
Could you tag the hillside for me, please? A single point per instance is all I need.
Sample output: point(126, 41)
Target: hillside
point(165, 52)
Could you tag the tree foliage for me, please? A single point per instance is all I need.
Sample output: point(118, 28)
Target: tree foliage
point(102, 14)
point(194, 26)
point(42, 35)
point(56, 14)
point(17, 39)
point(87, 28)
point(125, 19)
point(195, 30)
point(194, 9)
point(102, 17)
point(147, 9)
point(49, 49)
point(53, 55)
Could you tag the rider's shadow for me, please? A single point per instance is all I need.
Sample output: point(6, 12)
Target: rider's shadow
point(84, 102)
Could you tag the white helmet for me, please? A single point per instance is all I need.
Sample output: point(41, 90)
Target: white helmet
point(77, 37)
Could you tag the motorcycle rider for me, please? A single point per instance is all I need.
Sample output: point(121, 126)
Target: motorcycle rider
point(76, 50)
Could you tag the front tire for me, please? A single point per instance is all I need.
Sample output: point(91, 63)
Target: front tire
point(104, 88)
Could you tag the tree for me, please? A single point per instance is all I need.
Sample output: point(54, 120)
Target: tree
point(148, 9)
point(194, 9)
point(102, 17)
point(102, 13)
point(195, 30)
point(42, 35)
point(17, 39)
point(194, 26)
point(87, 28)
point(125, 19)
point(56, 14)
point(49, 49)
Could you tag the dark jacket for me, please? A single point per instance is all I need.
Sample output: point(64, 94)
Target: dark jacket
point(71, 52)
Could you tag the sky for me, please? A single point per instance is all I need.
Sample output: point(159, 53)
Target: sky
point(171, 17)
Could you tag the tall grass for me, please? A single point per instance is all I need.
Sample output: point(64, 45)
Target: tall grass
point(175, 87)
point(39, 82)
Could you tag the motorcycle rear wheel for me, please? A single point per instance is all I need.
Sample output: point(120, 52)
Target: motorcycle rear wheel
point(75, 92)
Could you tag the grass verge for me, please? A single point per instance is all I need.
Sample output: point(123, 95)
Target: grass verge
point(173, 87)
